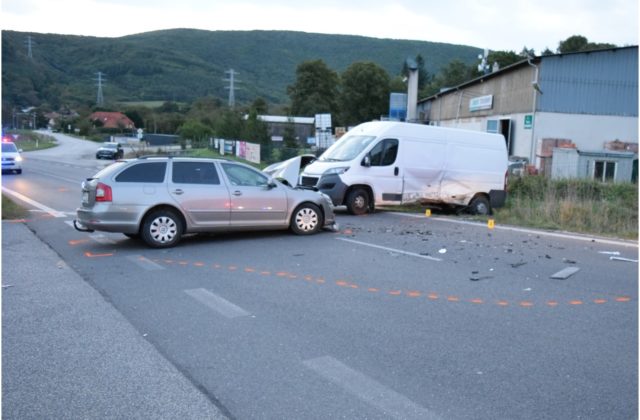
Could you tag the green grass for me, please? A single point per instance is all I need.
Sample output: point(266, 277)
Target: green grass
point(30, 140)
point(11, 210)
point(580, 206)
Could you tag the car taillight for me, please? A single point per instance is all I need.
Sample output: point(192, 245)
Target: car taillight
point(103, 192)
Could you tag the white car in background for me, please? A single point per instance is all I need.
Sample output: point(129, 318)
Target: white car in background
point(11, 159)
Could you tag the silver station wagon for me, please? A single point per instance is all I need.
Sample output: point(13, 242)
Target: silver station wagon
point(159, 199)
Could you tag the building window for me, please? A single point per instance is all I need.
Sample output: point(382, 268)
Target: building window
point(492, 126)
point(604, 171)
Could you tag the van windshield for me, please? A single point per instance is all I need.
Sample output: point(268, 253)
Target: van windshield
point(347, 148)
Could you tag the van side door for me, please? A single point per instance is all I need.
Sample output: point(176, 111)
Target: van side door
point(383, 172)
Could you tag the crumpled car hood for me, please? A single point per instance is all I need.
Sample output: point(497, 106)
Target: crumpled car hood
point(289, 170)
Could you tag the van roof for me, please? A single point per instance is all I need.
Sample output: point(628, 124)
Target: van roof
point(395, 128)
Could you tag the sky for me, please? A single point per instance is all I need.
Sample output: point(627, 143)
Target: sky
point(505, 25)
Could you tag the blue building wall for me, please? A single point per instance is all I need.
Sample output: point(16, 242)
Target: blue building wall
point(598, 83)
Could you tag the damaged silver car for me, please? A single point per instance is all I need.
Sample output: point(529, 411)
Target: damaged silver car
point(159, 199)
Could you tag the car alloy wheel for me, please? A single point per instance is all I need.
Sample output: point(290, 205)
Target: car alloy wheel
point(162, 229)
point(306, 219)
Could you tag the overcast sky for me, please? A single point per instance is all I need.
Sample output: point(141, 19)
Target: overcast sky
point(496, 25)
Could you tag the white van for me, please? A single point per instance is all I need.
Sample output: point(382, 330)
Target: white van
point(391, 163)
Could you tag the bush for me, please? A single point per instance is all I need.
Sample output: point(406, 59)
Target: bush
point(574, 205)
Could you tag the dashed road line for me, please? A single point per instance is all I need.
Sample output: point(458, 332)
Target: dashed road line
point(217, 303)
point(144, 263)
point(368, 389)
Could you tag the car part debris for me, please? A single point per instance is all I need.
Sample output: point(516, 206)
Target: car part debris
point(566, 273)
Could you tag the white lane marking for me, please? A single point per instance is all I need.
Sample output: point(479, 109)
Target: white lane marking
point(145, 263)
point(102, 239)
point(595, 239)
point(34, 203)
point(369, 390)
point(218, 304)
point(397, 251)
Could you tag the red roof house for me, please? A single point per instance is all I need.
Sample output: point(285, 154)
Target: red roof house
point(112, 120)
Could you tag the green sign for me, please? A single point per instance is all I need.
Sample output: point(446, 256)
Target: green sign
point(528, 122)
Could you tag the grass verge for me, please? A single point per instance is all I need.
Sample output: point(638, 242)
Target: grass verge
point(11, 210)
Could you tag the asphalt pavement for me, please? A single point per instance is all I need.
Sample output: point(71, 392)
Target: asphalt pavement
point(68, 353)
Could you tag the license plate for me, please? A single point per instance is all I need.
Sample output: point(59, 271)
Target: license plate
point(85, 196)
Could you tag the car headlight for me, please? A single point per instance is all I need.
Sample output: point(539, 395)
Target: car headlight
point(19, 159)
point(336, 171)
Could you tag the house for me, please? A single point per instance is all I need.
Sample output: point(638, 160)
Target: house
point(111, 120)
point(583, 100)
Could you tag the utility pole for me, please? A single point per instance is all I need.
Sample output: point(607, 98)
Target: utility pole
point(29, 43)
point(100, 80)
point(232, 81)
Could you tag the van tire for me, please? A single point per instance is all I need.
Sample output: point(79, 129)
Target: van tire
point(480, 206)
point(161, 229)
point(358, 201)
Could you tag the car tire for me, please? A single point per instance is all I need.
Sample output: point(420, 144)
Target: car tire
point(306, 219)
point(480, 206)
point(358, 201)
point(161, 229)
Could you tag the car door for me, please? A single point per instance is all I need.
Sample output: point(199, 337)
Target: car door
point(384, 173)
point(204, 199)
point(254, 201)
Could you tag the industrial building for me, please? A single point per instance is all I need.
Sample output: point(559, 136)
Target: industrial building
point(586, 101)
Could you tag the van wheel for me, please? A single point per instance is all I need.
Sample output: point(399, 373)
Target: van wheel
point(358, 201)
point(306, 219)
point(480, 206)
point(161, 229)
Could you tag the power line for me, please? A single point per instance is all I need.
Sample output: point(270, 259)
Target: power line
point(232, 88)
point(29, 42)
point(100, 80)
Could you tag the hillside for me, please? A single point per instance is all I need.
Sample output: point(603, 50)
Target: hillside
point(183, 64)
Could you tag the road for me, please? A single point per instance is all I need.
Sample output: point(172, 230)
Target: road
point(395, 316)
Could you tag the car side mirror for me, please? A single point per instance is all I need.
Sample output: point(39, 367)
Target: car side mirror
point(366, 161)
point(271, 184)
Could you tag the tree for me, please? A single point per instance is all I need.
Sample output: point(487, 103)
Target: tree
point(289, 142)
point(315, 90)
point(503, 58)
point(578, 43)
point(260, 106)
point(365, 93)
point(195, 131)
point(455, 73)
point(230, 125)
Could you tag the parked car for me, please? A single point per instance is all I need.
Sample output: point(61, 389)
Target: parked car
point(159, 199)
point(11, 159)
point(110, 150)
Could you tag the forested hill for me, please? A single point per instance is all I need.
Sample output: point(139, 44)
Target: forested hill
point(183, 64)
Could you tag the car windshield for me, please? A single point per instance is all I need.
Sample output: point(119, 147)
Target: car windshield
point(9, 148)
point(110, 145)
point(346, 148)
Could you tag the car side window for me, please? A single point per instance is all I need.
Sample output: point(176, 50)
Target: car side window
point(384, 153)
point(242, 176)
point(195, 173)
point(152, 172)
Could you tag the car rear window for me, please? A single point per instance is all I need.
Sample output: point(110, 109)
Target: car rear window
point(144, 172)
point(195, 173)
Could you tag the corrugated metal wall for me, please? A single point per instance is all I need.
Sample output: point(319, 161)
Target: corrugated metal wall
point(599, 83)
